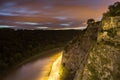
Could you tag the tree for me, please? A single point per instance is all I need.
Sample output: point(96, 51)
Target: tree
point(90, 21)
point(113, 10)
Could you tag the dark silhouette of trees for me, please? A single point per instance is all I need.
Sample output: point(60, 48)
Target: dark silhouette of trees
point(113, 10)
point(90, 21)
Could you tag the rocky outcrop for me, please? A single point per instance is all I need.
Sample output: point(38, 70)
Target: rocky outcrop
point(95, 54)
point(104, 60)
point(76, 53)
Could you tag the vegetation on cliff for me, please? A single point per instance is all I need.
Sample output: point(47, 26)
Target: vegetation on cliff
point(113, 10)
point(104, 60)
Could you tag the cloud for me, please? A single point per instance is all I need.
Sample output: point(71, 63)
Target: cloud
point(6, 26)
point(8, 14)
point(41, 27)
point(60, 17)
point(65, 24)
point(68, 28)
point(58, 13)
point(27, 23)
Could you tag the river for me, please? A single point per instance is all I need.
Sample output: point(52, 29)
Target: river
point(35, 70)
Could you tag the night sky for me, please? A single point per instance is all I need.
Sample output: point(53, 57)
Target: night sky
point(50, 14)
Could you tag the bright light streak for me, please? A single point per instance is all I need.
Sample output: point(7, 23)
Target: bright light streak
point(54, 75)
point(47, 71)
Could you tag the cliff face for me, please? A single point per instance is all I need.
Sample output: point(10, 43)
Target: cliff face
point(76, 53)
point(104, 60)
point(95, 54)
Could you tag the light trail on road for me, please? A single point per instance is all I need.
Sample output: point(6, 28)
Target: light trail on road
point(54, 75)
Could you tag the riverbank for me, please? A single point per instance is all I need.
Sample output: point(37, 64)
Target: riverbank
point(41, 55)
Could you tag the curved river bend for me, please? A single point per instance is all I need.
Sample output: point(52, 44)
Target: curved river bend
point(35, 70)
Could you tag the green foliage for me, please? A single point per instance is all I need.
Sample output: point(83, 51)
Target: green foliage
point(94, 72)
point(112, 32)
point(114, 10)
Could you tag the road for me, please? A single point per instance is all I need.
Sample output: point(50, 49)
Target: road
point(35, 70)
point(54, 75)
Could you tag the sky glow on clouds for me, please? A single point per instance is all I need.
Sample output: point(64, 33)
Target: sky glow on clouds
point(28, 23)
point(59, 13)
point(6, 26)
